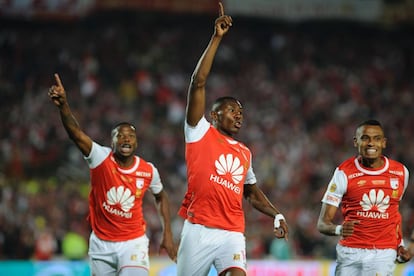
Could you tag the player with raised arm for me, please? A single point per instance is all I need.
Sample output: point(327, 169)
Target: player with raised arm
point(118, 244)
point(219, 173)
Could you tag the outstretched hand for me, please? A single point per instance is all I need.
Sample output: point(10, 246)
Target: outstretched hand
point(223, 22)
point(57, 92)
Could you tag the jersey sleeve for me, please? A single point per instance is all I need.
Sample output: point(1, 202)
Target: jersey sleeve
point(97, 155)
point(156, 184)
point(195, 133)
point(406, 177)
point(336, 189)
point(250, 176)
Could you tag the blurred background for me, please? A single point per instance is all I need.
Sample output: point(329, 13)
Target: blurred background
point(307, 72)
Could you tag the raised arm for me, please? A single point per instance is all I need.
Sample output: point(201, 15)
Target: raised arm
point(196, 91)
point(58, 96)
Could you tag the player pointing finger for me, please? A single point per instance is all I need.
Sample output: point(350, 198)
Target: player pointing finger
point(57, 92)
point(223, 22)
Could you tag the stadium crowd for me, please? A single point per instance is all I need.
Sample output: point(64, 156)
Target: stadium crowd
point(304, 87)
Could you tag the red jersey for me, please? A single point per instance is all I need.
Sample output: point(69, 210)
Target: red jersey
point(115, 199)
point(371, 196)
point(217, 169)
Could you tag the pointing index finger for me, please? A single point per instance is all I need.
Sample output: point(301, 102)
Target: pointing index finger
point(221, 11)
point(58, 81)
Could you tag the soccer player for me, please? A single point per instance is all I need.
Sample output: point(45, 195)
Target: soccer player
point(219, 173)
point(118, 244)
point(369, 188)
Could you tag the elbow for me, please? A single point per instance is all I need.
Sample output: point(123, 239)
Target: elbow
point(323, 228)
point(198, 81)
point(320, 226)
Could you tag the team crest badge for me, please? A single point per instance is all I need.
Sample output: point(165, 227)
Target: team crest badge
point(139, 184)
point(394, 183)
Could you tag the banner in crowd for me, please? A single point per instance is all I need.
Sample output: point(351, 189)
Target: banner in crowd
point(64, 9)
point(174, 6)
point(296, 10)
point(40, 9)
point(290, 10)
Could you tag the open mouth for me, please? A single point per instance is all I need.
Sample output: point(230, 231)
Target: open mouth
point(126, 148)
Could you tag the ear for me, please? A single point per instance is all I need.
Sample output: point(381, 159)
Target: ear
point(355, 142)
point(213, 116)
point(113, 144)
point(384, 143)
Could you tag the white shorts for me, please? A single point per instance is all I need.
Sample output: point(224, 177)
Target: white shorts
point(200, 247)
point(367, 262)
point(109, 258)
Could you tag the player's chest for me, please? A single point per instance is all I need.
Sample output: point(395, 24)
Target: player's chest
point(389, 187)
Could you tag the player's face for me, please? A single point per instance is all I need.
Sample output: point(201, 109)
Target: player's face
point(124, 141)
point(370, 142)
point(228, 119)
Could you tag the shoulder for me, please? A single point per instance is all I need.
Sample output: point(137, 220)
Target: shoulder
point(395, 163)
point(195, 133)
point(348, 163)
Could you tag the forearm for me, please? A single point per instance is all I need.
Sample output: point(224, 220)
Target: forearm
point(265, 208)
point(75, 133)
point(261, 203)
point(164, 213)
point(325, 223)
point(202, 70)
point(69, 121)
point(329, 229)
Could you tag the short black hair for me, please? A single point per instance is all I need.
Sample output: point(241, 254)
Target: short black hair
point(370, 122)
point(222, 100)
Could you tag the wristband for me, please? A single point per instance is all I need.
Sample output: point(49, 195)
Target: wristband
point(278, 218)
point(338, 230)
